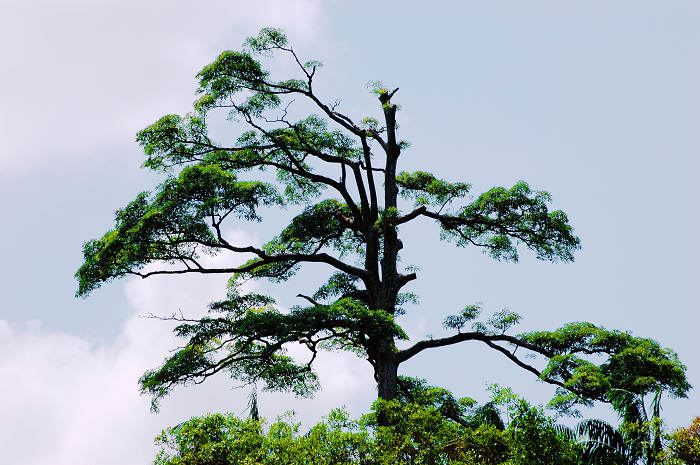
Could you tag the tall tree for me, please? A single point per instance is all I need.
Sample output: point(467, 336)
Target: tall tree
point(342, 176)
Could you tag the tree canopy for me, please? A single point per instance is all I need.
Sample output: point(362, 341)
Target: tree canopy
point(340, 177)
point(418, 435)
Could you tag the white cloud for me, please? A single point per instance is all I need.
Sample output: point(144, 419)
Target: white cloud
point(80, 77)
point(67, 401)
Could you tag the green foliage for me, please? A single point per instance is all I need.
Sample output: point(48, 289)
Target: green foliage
point(602, 443)
point(638, 439)
point(531, 436)
point(586, 362)
point(339, 284)
point(500, 218)
point(231, 73)
point(171, 225)
point(685, 443)
point(418, 391)
point(417, 429)
point(322, 224)
point(502, 321)
point(268, 38)
point(536, 441)
point(247, 340)
point(413, 434)
point(635, 365)
point(469, 313)
point(426, 189)
point(224, 439)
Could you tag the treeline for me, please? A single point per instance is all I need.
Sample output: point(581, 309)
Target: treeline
point(504, 431)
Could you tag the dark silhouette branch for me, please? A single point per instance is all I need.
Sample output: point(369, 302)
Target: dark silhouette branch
point(418, 347)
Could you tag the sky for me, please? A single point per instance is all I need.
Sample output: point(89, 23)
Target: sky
point(597, 103)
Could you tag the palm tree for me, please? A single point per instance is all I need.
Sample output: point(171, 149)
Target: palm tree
point(637, 440)
point(643, 432)
point(253, 411)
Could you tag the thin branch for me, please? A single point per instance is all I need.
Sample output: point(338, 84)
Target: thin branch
point(367, 166)
point(300, 171)
point(265, 260)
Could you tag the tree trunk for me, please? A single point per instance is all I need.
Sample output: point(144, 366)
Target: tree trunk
point(386, 364)
point(386, 372)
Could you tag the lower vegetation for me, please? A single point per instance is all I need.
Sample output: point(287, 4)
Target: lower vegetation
point(431, 428)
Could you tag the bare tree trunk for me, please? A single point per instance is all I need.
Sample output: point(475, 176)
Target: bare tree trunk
point(386, 373)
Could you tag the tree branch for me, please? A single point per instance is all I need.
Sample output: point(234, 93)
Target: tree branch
point(265, 260)
point(418, 347)
point(414, 214)
point(489, 340)
point(306, 297)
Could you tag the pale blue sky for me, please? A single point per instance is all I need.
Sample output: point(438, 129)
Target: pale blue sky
point(597, 103)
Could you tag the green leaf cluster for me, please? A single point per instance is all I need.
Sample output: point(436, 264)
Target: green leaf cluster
point(426, 189)
point(633, 364)
point(469, 313)
point(500, 218)
point(248, 338)
point(684, 443)
point(171, 225)
point(339, 284)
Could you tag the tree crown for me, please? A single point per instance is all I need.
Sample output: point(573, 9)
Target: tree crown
point(342, 177)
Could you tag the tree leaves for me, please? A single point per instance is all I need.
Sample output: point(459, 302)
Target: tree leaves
point(249, 341)
point(426, 189)
point(637, 365)
point(500, 218)
point(268, 38)
point(231, 73)
point(469, 313)
point(502, 321)
point(174, 225)
point(338, 284)
point(327, 224)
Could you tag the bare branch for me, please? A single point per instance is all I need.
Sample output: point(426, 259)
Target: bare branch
point(306, 297)
point(418, 347)
point(414, 214)
point(489, 340)
point(265, 260)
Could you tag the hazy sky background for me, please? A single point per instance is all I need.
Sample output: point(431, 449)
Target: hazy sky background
point(596, 102)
